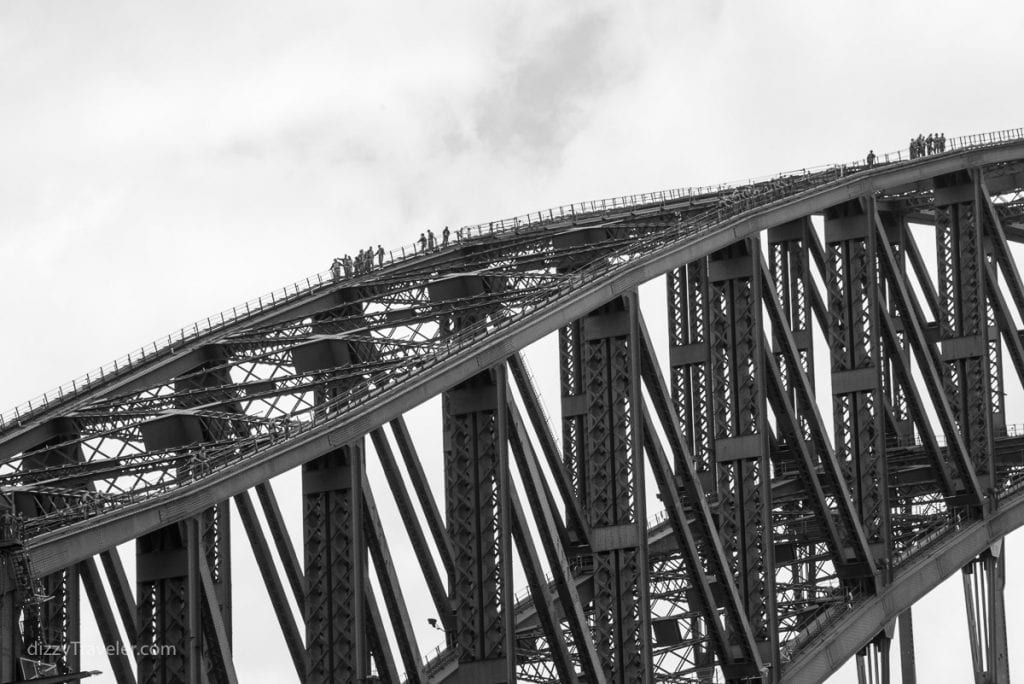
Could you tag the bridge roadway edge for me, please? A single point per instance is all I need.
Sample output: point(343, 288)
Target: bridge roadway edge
point(61, 548)
point(823, 656)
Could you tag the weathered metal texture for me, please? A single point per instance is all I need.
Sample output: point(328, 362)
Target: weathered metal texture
point(856, 363)
point(476, 505)
point(606, 444)
point(740, 434)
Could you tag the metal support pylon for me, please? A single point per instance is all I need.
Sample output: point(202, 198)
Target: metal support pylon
point(873, 660)
point(601, 360)
point(479, 527)
point(908, 661)
point(970, 352)
point(857, 365)
point(984, 581)
point(739, 424)
point(336, 562)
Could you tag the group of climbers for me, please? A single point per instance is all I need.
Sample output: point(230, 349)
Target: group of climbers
point(348, 266)
point(922, 146)
point(362, 263)
point(428, 241)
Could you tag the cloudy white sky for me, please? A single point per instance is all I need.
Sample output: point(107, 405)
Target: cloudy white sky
point(163, 161)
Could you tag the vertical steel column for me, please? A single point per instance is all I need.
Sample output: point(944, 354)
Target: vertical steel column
point(573, 410)
point(907, 658)
point(334, 544)
point(10, 630)
point(964, 323)
point(166, 614)
point(162, 590)
point(899, 426)
point(873, 661)
point(790, 268)
point(59, 617)
point(476, 508)
point(689, 358)
point(609, 464)
point(984, 581)
point(854, 346)
point(739, 422)
point(336, 563)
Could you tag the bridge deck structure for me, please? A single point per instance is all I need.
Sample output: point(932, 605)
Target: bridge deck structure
point(827, 439)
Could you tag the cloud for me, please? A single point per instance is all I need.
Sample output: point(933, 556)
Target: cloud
point(548, 85)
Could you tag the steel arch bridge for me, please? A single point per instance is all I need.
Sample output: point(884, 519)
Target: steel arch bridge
point(826, 439)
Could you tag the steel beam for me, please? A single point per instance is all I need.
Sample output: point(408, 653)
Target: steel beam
point(122, 591)
point(391, 589)
point(411, 522)
point(688, 510)
point(120, 664)
point(542, 597)
point(283, 542)
point(272, 581)
point(414, 466)
point(550, 529)
point(379, 646)
point(853, 553)
point(984, 580)
point(902, 299)
point(908, 660)
point(220, 665)
point(575, 518)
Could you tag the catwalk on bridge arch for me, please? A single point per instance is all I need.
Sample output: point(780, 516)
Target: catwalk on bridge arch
point(821, 439)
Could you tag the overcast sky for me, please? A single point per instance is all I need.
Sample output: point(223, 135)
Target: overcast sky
point(163, 161)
